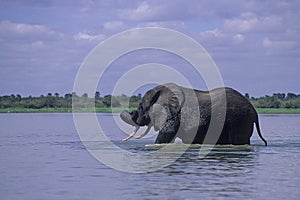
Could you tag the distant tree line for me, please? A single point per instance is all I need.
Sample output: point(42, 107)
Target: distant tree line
point(57, 101)
point(277, 100)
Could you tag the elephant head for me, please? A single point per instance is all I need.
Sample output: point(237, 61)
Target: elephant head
point(157, 106)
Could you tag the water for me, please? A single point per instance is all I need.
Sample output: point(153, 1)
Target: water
point(42, 157)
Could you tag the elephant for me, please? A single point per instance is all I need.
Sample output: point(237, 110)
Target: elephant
point(169, 108)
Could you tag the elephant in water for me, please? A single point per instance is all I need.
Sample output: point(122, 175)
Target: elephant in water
point(169, 109)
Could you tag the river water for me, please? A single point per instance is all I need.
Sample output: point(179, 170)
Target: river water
point(42, 157)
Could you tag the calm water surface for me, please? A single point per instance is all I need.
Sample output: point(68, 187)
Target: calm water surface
point(42, 157)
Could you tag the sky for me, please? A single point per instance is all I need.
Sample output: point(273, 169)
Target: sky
point(255, 44)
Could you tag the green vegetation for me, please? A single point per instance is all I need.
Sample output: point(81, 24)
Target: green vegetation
point(278, 110)
point(56, 103)
point(277, 103)
point(277, 100)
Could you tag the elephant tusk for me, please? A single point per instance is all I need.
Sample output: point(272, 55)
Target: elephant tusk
point(132, 134)
point(145, 133)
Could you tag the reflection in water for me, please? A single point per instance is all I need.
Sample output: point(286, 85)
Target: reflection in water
point(221, 173)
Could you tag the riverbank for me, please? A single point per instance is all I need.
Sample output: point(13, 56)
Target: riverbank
point(62, 110)
point(278, 110)
point(119, 109)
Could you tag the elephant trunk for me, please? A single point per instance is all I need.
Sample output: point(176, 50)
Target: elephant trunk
point(127, 117)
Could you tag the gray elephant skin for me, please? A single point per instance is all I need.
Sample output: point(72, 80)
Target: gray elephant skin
point(170, 110)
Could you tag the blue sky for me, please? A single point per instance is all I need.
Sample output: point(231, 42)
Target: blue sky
point(255, 44)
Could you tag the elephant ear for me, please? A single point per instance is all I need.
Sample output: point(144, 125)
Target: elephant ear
point(151, 97)
point(155, 97)
point(175, 99)
point(158, 115)
point(166, 106)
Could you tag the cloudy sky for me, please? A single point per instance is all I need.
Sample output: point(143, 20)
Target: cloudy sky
point(255, 44)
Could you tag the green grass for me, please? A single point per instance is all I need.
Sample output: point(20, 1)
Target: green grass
point(114, 110)
point(33, 110)
point(63, 110)
point(119, 109)
point(278, 110)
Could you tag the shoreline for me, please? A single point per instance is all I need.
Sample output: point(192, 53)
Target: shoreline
point(119, 109)
point(278, 110)
point(63, 110)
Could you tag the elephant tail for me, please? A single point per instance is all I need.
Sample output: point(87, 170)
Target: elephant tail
point(258, 131)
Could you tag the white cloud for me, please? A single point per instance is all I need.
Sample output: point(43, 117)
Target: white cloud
point(114, 26)
point(21, 28)
point(161, 11)
point(86, 36)
point(29, 47)
point(274, 45)
point(216, 33)
point(37, 44)
point(239, 38)
point(177, 25)
point(241, 24)
point(218, 37)
point(12, 30)
point(251, 22)
point(142, 12)
point(24, 40)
